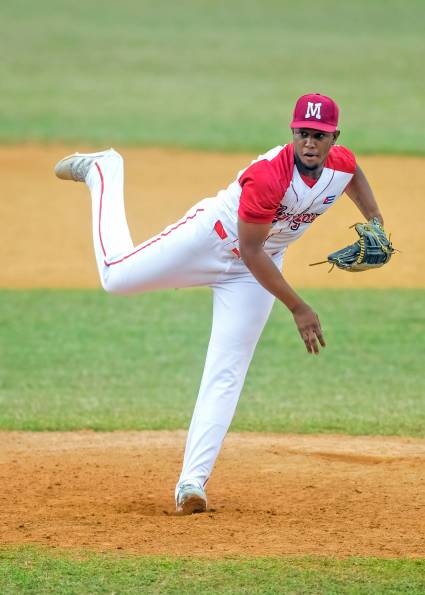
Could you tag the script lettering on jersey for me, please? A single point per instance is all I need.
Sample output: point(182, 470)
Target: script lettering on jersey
point(313, 110)
point(294, 219)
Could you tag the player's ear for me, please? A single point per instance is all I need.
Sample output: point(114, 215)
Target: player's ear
point(335, 136)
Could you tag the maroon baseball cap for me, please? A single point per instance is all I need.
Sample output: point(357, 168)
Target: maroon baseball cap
point(316, 111)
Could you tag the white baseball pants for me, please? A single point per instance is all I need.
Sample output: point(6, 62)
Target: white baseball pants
point(188, 253)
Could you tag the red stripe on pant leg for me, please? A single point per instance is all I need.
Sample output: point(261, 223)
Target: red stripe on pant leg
point(102, 186)
point(157, 239)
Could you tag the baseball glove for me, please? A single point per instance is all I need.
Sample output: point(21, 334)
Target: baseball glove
point(372, 250)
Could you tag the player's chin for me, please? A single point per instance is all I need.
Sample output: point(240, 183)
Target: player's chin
point(311, 163)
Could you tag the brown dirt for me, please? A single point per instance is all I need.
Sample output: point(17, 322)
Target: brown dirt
point(269, 495)
point(46, 234)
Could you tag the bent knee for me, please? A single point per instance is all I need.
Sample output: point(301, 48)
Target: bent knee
point(114, 285)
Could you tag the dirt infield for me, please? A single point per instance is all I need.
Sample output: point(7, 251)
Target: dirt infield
point(269, 495)
point(46, 228)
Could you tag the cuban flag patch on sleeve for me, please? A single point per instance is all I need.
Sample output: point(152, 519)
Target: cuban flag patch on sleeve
point(329, 199)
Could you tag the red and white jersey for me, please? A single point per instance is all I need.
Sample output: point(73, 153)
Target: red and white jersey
point(271, 190)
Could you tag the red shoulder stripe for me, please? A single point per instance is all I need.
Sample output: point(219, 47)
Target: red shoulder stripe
point(264, 183)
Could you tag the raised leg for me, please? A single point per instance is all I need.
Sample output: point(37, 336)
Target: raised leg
point(181, 255)
point(111, 235)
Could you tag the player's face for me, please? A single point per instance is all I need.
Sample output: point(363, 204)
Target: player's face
point(312, 146)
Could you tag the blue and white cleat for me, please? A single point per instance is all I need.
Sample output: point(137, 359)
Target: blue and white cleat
point(76, 167)
point(191, 498)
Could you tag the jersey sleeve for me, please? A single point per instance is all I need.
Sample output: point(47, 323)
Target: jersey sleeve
point(261, 193)
point(341, 159)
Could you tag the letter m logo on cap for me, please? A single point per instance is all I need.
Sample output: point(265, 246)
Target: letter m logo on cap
point(313, 110)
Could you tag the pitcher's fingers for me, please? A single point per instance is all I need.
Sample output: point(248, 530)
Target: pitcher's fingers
point(321, 338)
point(311, 343)
point(307, 344)
point(314, 345)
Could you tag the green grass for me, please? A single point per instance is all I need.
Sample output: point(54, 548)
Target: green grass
point(31, 570)
point(84, 359)
point(215, 75)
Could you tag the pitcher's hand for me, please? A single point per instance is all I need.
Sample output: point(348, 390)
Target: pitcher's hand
point(309, 328)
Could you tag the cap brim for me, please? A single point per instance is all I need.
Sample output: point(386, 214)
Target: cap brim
point(314, 125)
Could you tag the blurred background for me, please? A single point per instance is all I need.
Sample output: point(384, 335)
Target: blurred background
point(212, 75)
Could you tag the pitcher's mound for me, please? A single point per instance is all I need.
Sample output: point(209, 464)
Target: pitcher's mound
point(269, 495)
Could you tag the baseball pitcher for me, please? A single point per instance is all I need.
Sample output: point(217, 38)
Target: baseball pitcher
point(235, 243)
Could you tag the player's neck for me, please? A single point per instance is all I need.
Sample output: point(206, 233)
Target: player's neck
point(308, 172)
